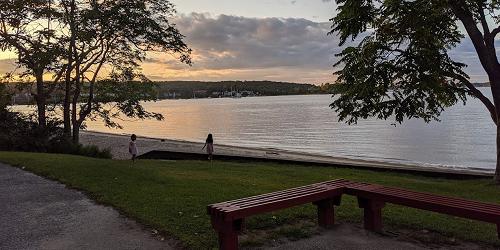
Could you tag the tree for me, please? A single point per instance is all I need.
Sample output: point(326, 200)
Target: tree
point(85, 43)
point(401, 67)
point(115, 35)
point(4, 98)
point(25, 27)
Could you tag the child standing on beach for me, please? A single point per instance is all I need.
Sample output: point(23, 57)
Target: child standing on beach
point(132, 147)
point(209, 144)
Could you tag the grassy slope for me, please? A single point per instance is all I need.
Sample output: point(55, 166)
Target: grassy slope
point(172, 196)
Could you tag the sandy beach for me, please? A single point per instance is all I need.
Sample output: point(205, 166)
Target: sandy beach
point(118, 144)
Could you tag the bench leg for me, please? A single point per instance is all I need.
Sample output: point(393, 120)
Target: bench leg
point(372, 214)
point(326, 211)
point(228, 233)
point(228, 240)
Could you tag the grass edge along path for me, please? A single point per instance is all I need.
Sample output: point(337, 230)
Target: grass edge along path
point(172, 196)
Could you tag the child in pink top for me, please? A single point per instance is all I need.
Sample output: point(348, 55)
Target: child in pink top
point(132, 147)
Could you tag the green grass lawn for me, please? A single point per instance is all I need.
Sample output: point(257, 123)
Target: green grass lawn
point(172, 196)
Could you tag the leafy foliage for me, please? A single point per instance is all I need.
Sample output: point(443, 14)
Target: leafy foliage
point(74, 40)
point(4, 98)
point(401, 67)
point(22, 133)
point(114, 99)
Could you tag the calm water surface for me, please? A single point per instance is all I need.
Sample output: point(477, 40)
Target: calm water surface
point(465, 138)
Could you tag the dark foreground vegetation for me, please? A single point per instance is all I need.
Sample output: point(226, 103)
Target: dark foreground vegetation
point(171, 196)
point(21, 132)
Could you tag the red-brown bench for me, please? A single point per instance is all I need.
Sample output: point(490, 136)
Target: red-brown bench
point(228, 217)
point(372, 199)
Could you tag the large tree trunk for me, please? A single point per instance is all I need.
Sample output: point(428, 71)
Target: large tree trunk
point(76, 133)
point(68, 91)
point(41, 100)
point(67, 111)
point(74, 121)
point(497, 171)
point(495, 90)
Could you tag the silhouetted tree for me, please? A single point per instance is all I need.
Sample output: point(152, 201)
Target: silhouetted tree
point(25, 28)
point(116, 35)
point(80, 42)
point(401, 68)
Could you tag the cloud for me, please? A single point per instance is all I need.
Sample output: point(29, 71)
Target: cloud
point(283, 49)
point(7, 65)
point(288, 47)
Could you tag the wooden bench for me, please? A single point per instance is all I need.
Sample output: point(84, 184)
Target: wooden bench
point(228, 217)
point(372, 199)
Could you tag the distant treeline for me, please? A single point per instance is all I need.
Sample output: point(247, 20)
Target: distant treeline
point(199, 89)
point(21, 93)
point(482, 84)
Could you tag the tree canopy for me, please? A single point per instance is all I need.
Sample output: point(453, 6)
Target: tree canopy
point(82, 42)
point(401, 67)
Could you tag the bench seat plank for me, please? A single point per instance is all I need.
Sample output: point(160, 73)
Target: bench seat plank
point(442, 204)
point(240, 208)
point(234, 212)
point(287, 191)
point(227, 217)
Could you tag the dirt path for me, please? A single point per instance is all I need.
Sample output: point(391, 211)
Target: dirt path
point(41, 214)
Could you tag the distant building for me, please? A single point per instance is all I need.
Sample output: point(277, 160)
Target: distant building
point(22, 98)
point(200, 93)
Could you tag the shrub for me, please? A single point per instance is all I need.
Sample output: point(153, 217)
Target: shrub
point(21, 133)
point(68, 147)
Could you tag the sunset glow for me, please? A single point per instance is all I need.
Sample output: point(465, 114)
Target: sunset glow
point(258, 40)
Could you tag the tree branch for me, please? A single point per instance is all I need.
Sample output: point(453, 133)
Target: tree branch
point(486, 29)
point(489, 105)
point(487, 60)
point(495, 32)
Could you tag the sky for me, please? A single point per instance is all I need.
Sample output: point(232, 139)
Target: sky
point(278, 40)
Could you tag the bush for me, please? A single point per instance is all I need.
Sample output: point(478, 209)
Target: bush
point(68, 147)
point(94, 151)
point(21, 133)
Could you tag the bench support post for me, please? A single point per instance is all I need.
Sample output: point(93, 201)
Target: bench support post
point(372, 213)
point(228, 232)
point(326, 211)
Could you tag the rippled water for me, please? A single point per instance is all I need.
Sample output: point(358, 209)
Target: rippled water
point(465, 137)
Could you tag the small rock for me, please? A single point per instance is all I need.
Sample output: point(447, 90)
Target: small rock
point(425, 231)
point(154, 231)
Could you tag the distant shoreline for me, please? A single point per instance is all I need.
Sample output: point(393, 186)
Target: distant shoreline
point(205, 89)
